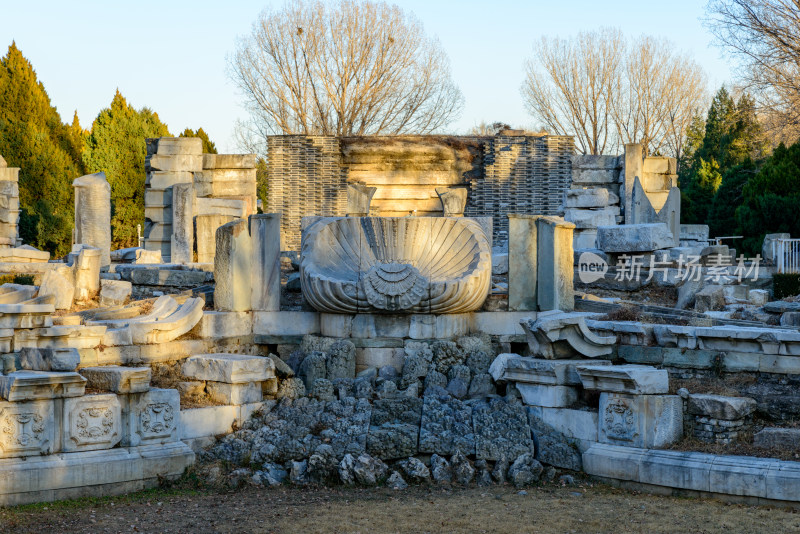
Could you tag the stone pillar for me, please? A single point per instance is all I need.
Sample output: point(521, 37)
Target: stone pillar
point(232, 265)
point(633, 168)
point(555, 260)
point(207, 226)
point(265, 233)
point(454, 200)
point(9, 205)
point(183, 201)
point(93, 214)
point(86, 268)
point(359, 197)
point(522, 258)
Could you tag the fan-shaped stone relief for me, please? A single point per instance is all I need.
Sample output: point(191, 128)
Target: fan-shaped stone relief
point(395, 264)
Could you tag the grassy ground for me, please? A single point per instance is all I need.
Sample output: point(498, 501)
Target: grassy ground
point(547, 508)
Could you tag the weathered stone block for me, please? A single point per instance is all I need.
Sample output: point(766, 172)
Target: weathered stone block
point(151, 417)
point(35, 385)
point(118, 379)
point(91, 422)
point(265, 232)
point(229, 368)
point(34, 359)
point(235, 394)
point(115, 292)
point(634, 237)
point(646, 421)
point(629, 378)
point(232, 267)
point(547, 395)
point(720, 407)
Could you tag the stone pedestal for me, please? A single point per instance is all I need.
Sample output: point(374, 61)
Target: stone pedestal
point(265, 233)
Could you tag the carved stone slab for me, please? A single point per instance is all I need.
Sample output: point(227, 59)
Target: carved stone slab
point(35, 385)
point(91, 422)
point(27, 428)
point(633, 379)
point(646, 421)
point(152, 417)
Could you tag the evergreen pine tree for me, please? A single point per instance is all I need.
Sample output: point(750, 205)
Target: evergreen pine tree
point(33, 138)
point(117, 147)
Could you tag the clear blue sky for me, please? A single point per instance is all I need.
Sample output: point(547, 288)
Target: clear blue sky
point(170, 55)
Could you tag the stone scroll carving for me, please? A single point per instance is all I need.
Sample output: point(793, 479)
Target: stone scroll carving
point(395, 264)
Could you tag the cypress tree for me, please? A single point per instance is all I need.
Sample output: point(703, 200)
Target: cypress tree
point(116, 146)
point(33, 138)
point(208, 146)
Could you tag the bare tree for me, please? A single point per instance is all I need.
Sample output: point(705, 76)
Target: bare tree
point(608, 91)
point(351, 67)
point(659, 94)
point(765, 36)
point(570, 84)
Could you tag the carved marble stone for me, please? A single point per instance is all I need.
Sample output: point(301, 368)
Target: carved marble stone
point(646, 421)
point(27, 428)
point(152, 417)
point(395, 264)
point(556, 335)
point(91, 422)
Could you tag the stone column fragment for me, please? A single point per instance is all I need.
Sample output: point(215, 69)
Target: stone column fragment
point(522, 259)
point(359, 197)
point(265, 233)
point(454, 200)
point(633, 169)
point(555, 261)
point(183, 201)
point(93, 214)
point(233, 262)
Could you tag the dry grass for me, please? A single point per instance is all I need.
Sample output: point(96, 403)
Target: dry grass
point(727, 386)
point(743, 447)
point(548, 508)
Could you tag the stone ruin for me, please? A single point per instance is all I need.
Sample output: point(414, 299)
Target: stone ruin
point(385, 348)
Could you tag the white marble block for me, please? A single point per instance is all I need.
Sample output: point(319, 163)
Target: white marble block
point(27, 428)
point(265, 233)
point(228, 368)
point(92, 422)
point(547, 396)
point(182, 241)
point(151, 417)
point(233, 263)
point(93, 214)
point(35, 385)
point(630, 378)
point(118, 379)
point(646, 421)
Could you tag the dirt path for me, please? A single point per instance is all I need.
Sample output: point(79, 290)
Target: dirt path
point(583, 508)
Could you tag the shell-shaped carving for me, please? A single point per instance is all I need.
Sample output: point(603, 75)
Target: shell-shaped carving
point(380, 264)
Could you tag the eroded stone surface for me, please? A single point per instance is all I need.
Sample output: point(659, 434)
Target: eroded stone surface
point(118, 379)
point(229, 368)
point(91, 422)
